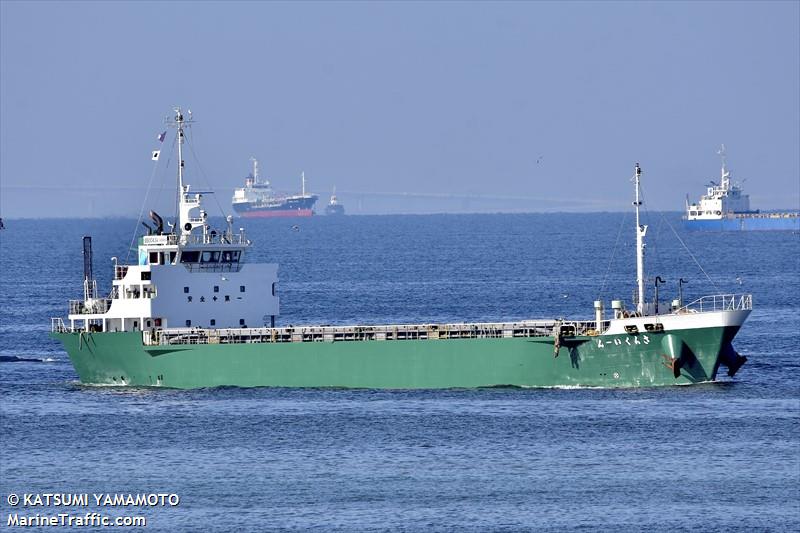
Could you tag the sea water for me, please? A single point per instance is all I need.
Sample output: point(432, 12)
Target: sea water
point(721, 456)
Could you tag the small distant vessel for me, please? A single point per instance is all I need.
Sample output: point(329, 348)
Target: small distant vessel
point(724, 207)
point(334, 207)
point(257, 199)
point(193, 312)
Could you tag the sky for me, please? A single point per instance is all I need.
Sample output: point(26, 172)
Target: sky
point(404, 107)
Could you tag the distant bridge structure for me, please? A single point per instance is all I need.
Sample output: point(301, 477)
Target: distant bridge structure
point(468, 200)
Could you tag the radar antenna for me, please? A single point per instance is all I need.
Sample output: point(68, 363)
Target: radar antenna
point(179, 122)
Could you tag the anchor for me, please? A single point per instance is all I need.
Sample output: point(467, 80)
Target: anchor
point(731, 359)
point(677, 354)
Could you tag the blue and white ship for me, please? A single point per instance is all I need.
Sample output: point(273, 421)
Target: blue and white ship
point(258, 199)
point(725, 208)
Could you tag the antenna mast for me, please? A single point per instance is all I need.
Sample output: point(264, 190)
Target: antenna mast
point(255, 170)
point(641, 231)
point(178, 122)
point(725, 177)
point(303, 176)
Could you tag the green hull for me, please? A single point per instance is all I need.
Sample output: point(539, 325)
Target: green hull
point(641, 360)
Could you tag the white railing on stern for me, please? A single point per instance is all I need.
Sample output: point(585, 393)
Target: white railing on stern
point(57, 326)
point(719, 302)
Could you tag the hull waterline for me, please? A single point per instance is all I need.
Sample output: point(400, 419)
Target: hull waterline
point(785, 223)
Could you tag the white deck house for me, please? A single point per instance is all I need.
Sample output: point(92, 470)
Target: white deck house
point(192, 277)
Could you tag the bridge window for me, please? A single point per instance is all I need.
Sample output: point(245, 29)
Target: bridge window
point(227, 297)
point(230, 256)
point(213, 322)
point(210, 257)
point(241, 321)
point(190, 257)
point(145, 276)
point(241, 288)
point(216, 288)
point(153, 258)
point(186, 289)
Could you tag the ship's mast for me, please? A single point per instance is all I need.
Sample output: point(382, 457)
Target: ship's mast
point(303, 176)
point(179, 125)
point(641, 231)
point(725, 175)
point(178, 121)
point(255, 170)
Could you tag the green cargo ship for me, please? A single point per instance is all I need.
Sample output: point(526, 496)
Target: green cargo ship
point(193, 313)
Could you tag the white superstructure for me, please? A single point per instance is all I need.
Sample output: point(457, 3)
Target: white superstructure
point(254, 190)
point(720, 199)
point(191, 276)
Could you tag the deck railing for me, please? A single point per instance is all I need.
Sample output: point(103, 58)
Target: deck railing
point(212, 237)
point(213, 267)
point(377, 333)
point(719, 302)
